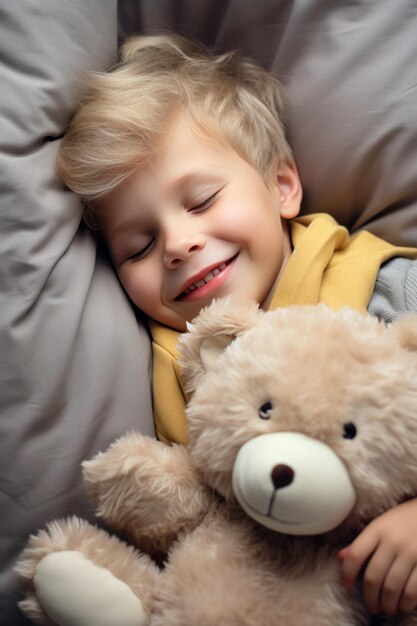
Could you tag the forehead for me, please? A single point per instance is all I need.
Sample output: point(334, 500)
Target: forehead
point(189, 153)
point(186, 132)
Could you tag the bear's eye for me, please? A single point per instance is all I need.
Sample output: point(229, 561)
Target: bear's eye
point(265, 410)
point(349, 430)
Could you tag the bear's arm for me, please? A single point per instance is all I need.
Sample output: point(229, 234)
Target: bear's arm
point(148, 490)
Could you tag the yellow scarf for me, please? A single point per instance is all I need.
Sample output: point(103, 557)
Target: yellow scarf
point(327, 265)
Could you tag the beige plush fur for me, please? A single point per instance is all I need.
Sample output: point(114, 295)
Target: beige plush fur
point(320, 370)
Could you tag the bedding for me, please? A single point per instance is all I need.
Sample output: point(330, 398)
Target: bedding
point(75, 359)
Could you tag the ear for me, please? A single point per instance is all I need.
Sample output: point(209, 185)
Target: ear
point(405, 330)
point(211, 348)
point(209, 334)
point(289, 189)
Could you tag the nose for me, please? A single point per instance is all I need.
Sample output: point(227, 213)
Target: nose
point(282, 475)
point(180, 245)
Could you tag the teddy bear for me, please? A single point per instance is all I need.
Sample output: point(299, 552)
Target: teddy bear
point(302, 428)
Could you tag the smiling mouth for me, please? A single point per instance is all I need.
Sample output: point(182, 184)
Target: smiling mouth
point(205, 279)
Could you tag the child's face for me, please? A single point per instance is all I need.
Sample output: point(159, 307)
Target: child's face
point(200, 224)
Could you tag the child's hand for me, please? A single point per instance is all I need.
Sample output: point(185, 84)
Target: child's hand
point(387, 550)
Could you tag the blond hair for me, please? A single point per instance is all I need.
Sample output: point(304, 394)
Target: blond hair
point(121, 123)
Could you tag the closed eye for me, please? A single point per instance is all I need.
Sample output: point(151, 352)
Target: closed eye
point(140, 254)
point(202, 206)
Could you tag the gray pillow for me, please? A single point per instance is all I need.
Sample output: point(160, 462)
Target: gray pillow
point(75, 362)
point(351, 74)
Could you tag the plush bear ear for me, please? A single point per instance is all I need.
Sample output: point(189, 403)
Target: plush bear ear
point(405, 330)
point(209, 334)
point(211, 348)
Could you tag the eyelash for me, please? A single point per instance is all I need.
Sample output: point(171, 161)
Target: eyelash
point(137, 256)
point(205, 204)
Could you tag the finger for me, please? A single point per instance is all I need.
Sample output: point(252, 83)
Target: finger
point(394, 585)
point(374, 576)
point(355, 556)
point(408, 599)
point(342, 553)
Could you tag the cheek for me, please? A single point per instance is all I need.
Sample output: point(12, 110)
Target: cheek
point(246, 221)
point(141, 284)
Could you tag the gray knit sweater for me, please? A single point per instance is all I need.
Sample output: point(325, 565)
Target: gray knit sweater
point(395, 292)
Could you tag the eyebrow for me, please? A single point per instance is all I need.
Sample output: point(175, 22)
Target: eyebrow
point(124, 226)
point(192, 177)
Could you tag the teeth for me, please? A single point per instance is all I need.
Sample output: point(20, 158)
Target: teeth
point(206, 278)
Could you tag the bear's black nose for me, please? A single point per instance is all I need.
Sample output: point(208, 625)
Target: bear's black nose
point(282, 475)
